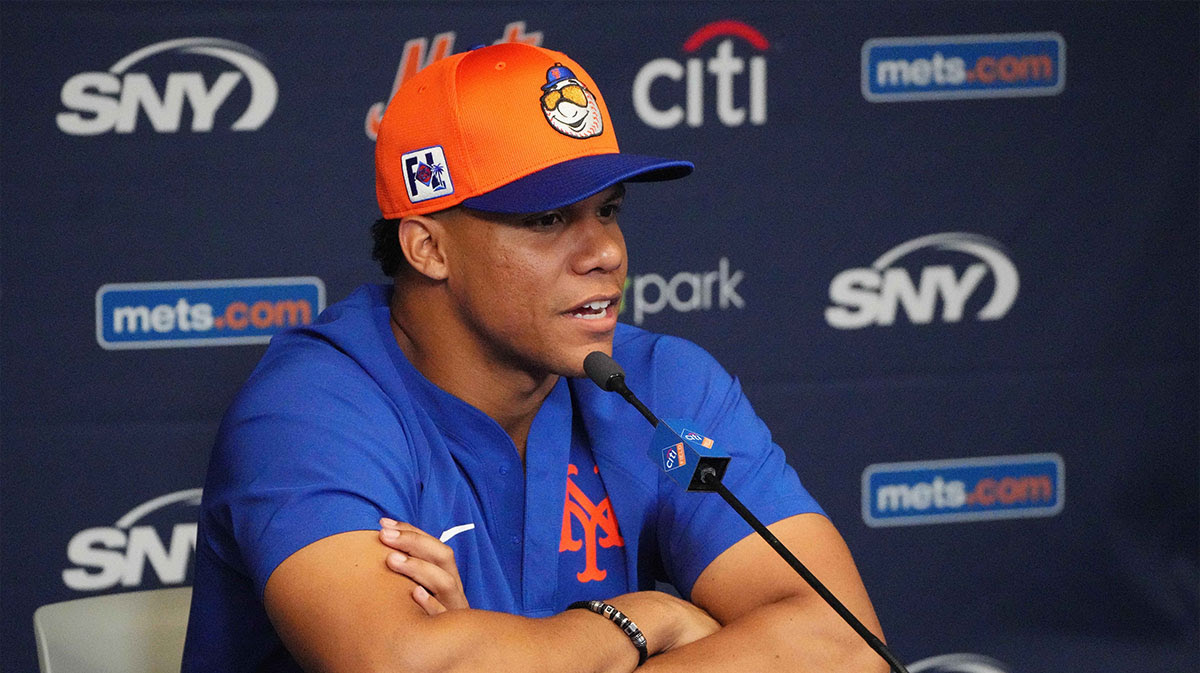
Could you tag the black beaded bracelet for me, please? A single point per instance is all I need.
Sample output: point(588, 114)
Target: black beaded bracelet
point(624, 623)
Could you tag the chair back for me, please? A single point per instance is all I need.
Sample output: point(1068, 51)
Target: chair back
point(133, 632)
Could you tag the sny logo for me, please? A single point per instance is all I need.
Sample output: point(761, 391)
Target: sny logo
point(592, 518)
point(872, 296)
point(426, 174)
point(106, 556)
point(959, 662)
point(100, 102)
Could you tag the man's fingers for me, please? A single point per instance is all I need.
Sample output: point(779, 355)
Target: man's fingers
point(415, 542)
point(427, 561)
point(431, 577)
point(429, 603)
point(386, 523)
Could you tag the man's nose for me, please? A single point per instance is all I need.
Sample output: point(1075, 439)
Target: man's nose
point(601, 246)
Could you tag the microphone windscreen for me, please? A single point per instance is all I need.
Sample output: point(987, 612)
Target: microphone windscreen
point(603, 370)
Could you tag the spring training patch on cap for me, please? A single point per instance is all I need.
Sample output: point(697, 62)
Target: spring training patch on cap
point(568, 105)
point(425, 174)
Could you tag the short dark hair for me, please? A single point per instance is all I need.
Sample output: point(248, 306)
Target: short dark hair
point(386, 248)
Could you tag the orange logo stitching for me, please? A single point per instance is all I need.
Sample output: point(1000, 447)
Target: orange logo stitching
point(591, 517)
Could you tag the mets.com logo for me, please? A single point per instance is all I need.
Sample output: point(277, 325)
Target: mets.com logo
point(204, 313)
point(963, 66)
point(968, 489)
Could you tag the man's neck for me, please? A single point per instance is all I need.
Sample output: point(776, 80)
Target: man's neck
point(458, 365)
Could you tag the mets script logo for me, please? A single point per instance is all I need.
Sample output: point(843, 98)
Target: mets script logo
point(599, 524)
point(568, 105)
point(419, 53)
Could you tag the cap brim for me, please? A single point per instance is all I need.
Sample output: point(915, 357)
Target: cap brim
point(575, 180)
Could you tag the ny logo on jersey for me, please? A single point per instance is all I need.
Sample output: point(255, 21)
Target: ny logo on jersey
point(591, 517)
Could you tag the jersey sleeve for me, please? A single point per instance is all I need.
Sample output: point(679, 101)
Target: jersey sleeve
point(309, 449)
point(694, 528)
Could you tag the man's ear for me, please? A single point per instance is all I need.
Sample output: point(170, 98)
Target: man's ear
point(422, 239)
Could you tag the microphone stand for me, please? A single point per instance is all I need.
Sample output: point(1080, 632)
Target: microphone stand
point(709, 475)
point(608, 375)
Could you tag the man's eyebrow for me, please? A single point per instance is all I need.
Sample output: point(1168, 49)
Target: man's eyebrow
point(618, 192)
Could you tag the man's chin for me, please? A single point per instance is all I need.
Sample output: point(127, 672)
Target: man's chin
point(572, 364)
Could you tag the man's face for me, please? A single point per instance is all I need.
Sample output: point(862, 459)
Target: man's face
point(539, 292)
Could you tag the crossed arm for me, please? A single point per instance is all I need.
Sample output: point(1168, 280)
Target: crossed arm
point(341, 604)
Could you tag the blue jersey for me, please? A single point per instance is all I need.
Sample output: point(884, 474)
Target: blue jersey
point(335, 428)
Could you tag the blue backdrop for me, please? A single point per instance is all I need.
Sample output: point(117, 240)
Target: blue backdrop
point(950, 249)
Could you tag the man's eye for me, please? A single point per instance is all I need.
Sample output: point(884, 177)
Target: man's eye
point(543, 221)
point(610, 210)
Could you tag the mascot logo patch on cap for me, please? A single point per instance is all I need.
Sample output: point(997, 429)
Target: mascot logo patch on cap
point(568, 105)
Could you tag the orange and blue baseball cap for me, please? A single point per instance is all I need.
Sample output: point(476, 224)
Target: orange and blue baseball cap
point(510, 128)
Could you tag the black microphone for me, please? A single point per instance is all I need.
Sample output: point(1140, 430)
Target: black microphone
point(676, 448)
point(606, 373)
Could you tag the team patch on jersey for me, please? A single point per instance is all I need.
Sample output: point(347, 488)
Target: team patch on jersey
point(569, 106)
point(599, 525)
point(425, 174)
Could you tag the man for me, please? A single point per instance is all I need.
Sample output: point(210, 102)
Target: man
point(418, 482)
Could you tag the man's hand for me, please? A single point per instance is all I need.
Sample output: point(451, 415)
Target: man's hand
point(771, 619)
point(666, 621)
point(427, 561)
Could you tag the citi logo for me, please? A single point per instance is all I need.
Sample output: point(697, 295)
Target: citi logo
point(969, 489)
point(419, 53)
point(874, 295)
point(100, 102)
point(684, 292)
point(106, 556)
point(733, 77)
point(204, 313)
point(963, 66)
point(674, 456)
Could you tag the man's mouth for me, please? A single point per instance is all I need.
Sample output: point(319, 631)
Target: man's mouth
point(593, 310)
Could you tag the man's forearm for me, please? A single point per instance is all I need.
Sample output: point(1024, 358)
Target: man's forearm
point(335, 612)
point(576, 641)
point(789, 635)
point(479, 640)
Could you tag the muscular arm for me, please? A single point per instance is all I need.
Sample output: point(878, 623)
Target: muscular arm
point(337, 607)
point(772, 620)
